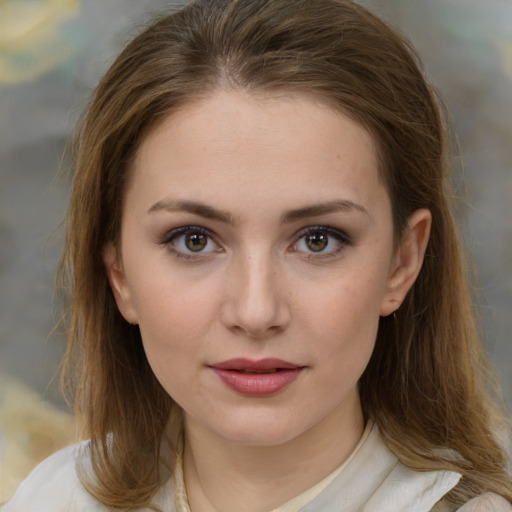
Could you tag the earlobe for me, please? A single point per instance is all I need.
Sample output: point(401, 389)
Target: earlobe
point(119, 286)
point(408, 260)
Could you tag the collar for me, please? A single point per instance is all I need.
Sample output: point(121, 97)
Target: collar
point(376, 481)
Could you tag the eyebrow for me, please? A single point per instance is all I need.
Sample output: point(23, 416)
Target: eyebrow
point(201, 209)
point(316, 210)
point(209, 212)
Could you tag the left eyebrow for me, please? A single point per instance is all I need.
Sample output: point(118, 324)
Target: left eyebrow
point(316, 210)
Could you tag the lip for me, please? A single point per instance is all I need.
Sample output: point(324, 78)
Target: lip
point(263, 377)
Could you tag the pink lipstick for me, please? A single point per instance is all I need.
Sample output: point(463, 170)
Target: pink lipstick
point(263, 377)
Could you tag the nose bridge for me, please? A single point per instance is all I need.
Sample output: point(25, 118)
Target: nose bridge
point(257, 306)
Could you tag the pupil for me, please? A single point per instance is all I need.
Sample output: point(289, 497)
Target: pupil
point(196, 242)
point(317, 241)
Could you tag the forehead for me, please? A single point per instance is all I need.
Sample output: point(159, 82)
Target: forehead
point(272, 146)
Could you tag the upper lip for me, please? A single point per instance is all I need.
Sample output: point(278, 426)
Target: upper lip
point(241, 363)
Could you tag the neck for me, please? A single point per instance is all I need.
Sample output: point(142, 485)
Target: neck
point(223, 475)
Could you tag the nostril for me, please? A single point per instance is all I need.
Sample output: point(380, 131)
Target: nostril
point(256, 333)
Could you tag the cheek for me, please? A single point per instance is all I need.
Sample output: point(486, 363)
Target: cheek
point(173, 326)
point(173, 316)
point(346, 315)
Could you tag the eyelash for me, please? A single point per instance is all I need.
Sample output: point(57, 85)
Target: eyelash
point(339, 236)
point(174, 234)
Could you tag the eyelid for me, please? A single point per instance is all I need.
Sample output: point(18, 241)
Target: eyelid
point(172, 234)
point(341, 237)
point(336, 232)
point(182, 230)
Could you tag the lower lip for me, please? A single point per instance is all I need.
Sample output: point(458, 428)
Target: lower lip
point(258, 384)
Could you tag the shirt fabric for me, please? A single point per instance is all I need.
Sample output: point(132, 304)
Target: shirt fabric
point(371, 480)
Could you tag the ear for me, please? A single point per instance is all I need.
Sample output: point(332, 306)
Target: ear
point(407, 261)
point(118, 284)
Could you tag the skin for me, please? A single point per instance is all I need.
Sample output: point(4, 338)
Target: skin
point(257, 289)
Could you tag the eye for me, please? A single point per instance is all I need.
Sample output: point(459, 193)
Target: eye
point(316, 242)
point(321, 240)
point(189, 241)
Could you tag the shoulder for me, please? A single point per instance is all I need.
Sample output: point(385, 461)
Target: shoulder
point(54, 486)
point(488, 502)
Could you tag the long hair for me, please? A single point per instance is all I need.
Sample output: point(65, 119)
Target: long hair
point(427, 383)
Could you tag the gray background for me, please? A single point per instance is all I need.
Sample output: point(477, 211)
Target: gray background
point(52, 53)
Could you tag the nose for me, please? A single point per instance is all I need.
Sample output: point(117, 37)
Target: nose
point(256, 302)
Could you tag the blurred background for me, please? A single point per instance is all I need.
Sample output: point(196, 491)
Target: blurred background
point(52, 53)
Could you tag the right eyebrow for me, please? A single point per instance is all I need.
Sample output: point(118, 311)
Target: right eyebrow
point(194, 207)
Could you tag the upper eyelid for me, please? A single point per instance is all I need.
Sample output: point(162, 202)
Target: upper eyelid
point(183, 230)
point(329, 229)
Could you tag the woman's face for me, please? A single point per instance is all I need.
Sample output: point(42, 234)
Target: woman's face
point(256, 257)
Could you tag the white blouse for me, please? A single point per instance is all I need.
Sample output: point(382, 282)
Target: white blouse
point(370, 480)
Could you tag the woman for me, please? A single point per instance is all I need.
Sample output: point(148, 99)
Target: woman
point(268, 303)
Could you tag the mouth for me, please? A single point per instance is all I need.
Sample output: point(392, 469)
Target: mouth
point(267, 365)
point(263, 377)
point(274, 370)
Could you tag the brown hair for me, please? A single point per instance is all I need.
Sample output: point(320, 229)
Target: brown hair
point(426, 385)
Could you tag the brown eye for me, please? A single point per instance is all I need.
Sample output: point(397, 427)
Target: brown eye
point(317, 241)
point(196, 242)
point(321, 241)
point(190, 241)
